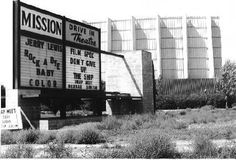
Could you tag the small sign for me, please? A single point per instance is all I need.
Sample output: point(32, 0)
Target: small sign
point(11, 118)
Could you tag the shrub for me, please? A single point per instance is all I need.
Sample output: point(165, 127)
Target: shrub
point(130, 125)
point(57, 149)
point(46, 137)
point(165, 102)
point(27, 136)
point(195, 101)
point(203, 147)
point(182, 113)
point(201, 116)
point(144, 145)
point(214, 133)
point(81, 136)
point(88, 136)
point(207, 108)
point(190, 101)
point(226, 132)
point(19, 151)
point(227, 152)
point(173, 124)
point(217, 100)
point(113, 153)
point(67, 136)
point(180, 101)
point(110, 123)
point(93, 125)
point(207, 132)
point(7, 137)
point(136, 121)
point(147, 145)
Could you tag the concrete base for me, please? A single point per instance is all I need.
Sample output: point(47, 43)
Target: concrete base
point(50, 124)
point(121, 106)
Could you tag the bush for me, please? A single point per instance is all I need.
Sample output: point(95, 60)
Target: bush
point(88, 136)
point(190, 101)
point(227, 152)
point(217, 100)
point(214, 133)
point(173, 124)
point(182, 113)
point(7, 137)
point(27, 136)
point(147, 145)
point(137, 121)
point(92, 125)
point(165, 102)
point(195, 101)
point(113, 153)
point(207, 108)
point(46, 137)
point(130, 125)
point(81, 136)
point(67, 136)
point(201, 116)
point(144, 145)
point(204, 148)
point(57, 149)
point(19, 151)
point(110, 123)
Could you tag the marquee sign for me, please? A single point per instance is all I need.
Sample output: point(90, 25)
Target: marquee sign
point(54, 52)
point(82, 69)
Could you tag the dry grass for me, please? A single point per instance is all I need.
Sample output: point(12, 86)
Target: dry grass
point(178, 125)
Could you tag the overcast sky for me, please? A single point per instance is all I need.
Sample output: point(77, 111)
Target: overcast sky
point(96, 10)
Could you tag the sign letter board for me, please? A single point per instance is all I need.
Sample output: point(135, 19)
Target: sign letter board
point(54, 52)
point(82, 69)
point(41, 63)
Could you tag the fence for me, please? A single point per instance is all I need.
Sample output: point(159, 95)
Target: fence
point(185, 86)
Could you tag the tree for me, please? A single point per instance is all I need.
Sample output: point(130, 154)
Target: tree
point(159, 88)
point(227, 81)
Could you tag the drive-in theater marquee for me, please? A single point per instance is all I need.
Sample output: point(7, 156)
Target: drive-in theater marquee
point(54, 52)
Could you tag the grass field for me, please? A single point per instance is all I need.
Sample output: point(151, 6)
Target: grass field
point(122, 136)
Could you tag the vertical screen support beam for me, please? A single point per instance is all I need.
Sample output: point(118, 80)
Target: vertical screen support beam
point(210, 49)
point(158, 49)
point(185, 46)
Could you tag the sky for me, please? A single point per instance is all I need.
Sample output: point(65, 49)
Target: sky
point(97, 10)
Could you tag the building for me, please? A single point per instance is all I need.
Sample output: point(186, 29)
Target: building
point(182, 47)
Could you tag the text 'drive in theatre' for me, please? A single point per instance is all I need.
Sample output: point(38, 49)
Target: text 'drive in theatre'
point(82, 69)
point(40, 63)
point(82, 35)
